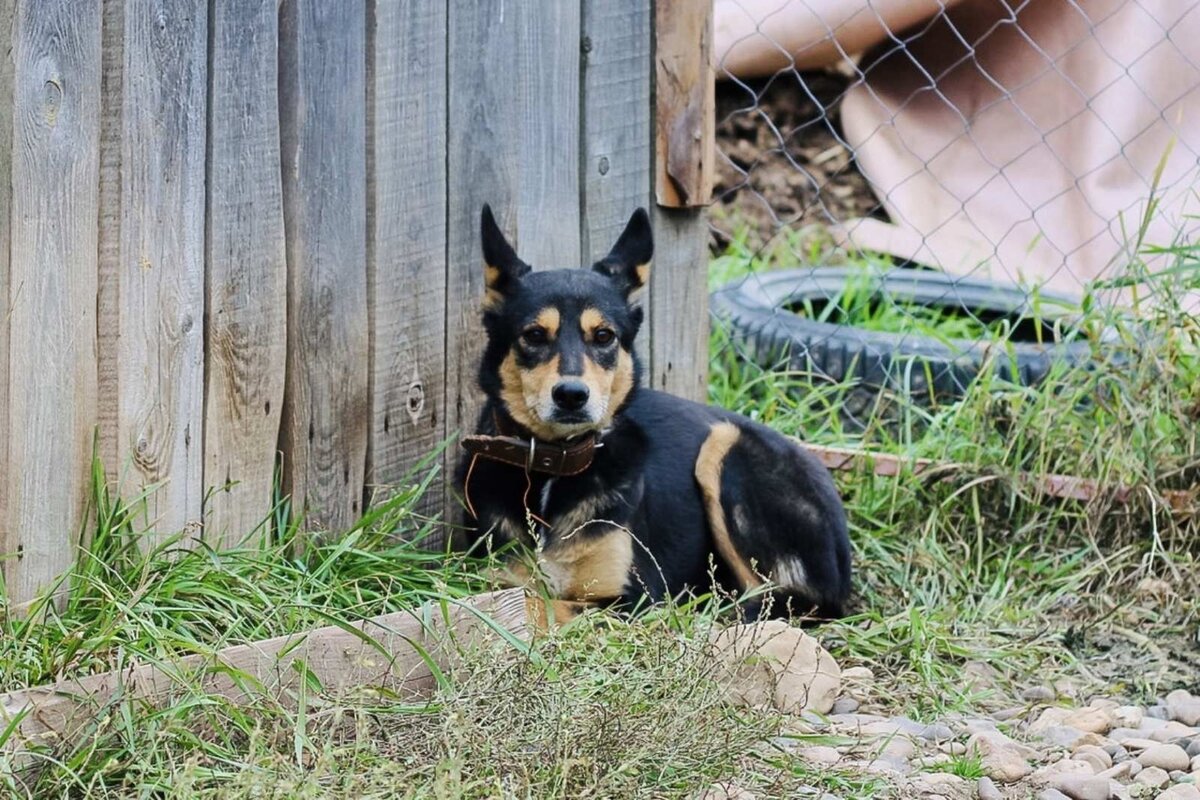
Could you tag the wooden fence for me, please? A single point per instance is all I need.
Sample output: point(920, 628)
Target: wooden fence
point(243, 233)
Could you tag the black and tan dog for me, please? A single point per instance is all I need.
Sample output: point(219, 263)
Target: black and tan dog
point(628, 494)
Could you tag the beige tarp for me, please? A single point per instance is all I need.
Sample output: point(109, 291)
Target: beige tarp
point(1019, 138)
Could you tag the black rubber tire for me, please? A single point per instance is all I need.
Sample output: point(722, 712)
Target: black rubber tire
point(918, 368)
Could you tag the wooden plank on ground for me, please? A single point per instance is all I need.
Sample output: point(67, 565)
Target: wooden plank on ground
point(52, 290)
point(247, 277)
point(514, 143)
point(327, 404)
point(7, 9)
point(387, 652)
point(160, 262)
point(685, 97)
point(407, 241)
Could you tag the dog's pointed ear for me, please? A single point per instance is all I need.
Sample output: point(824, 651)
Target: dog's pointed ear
point(628, 263)
point(501, 267)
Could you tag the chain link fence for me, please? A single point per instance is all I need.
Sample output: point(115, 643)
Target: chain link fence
point(914, 195)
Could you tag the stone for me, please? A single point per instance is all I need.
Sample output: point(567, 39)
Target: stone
point(1118, 771)
point(1065, 766)
point(1090, 720)
point(1195, 762)
point(819, 754)
point(1165, 756)
point(1005, 714)
point(774, 664)
point(1193, 749)
point(719, 791)
point(1082, 787)
point(1053, 717)
point(986, 790)
point(1062, 736)
point(1154, 777)
point(953, 748)
point(898, 747)
point(1158, 711)
point(1001, 758)
point(1172, 732)
point(1052, 794)
point(1138, 744)
point(1038, 694)
point(936, 732)
point(938, 784)
point(888, 766)
point(1093, 755)
point(1184, 791)
point(858, 675)
point(1128, 716)
point(1183, 706)
point(844, 705)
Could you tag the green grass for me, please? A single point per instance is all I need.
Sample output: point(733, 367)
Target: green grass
point(969, 572)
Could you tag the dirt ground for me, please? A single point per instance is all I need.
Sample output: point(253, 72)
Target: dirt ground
point(781, 159)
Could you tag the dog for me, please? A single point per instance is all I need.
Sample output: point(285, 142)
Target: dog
point(630, 496)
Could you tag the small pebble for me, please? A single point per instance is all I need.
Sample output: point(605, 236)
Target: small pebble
point(1052, 794)
point(1165, 756)
point(987, 790)
point(1082, 787)
point(1183, 707)
point(1153, 777)
point(1038, 694)
point(1095, 756)
point(860, 674)
point(844, 705)
point(1183, 791)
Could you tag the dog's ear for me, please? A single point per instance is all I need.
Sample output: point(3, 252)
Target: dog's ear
point(501, 267)
point(628, 263)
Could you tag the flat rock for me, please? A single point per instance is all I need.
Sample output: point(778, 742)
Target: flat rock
point(1193, 749)
point(1090, 720)
point(1062, 736)
point(1182, 791)
point(1183, 706)
point(1158, 711)
point(940, 784)
point(1053, 717)
point(1154, 777)
point(1082, 787)
point(772, 663)
point(1165, 756)
point(1137, 744)
point(1052, 794)
point(1038, 694)
point(1196, 763)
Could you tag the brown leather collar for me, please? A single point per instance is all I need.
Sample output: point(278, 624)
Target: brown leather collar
point(534, 455)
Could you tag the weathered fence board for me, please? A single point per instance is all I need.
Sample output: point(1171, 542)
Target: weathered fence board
point(407, 240)
point(616, 119)
point(617, 134)
point(52, 292)
point(684, 117)
point(511, 132)
point(247, 279)
point(7, 7)
point(240, 239)
point(112, 42)
point(160, 360)
point(326, 407)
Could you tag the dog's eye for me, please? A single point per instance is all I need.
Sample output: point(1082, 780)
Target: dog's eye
point(534, 337)
point(603, 336)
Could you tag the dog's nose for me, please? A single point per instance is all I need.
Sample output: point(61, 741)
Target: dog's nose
point(570, 395)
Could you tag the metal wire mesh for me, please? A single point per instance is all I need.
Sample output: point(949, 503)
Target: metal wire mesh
point(900, 219)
